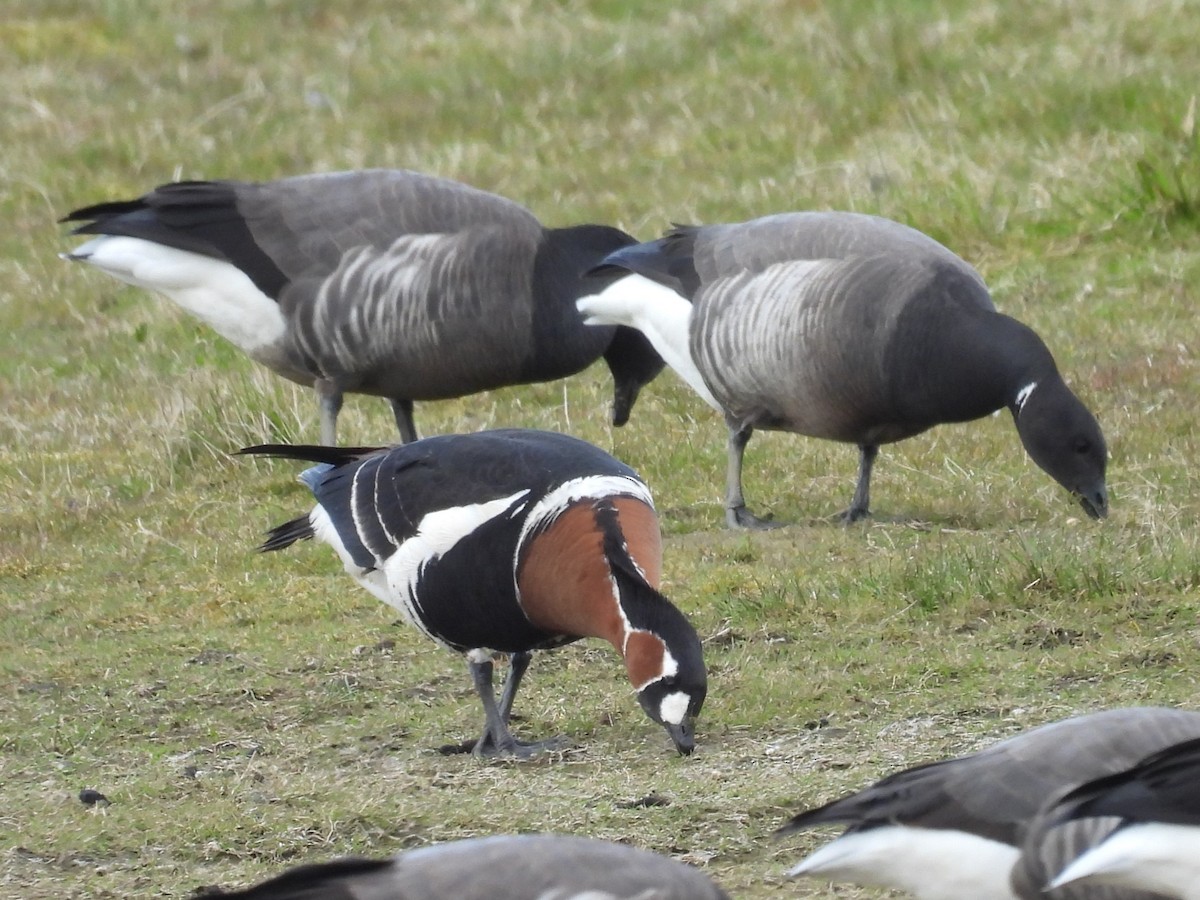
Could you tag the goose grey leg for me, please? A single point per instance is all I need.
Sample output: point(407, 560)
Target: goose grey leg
point(403, 411)
point(496, 739)
point(329, 398)
point(736, 514)
point(860, 505)
point(517, 664)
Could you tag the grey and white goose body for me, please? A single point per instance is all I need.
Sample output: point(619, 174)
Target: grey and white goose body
point(1155, 845)
point(847, 327)
point(504, 867)
point(970, 827)
point(382, 282)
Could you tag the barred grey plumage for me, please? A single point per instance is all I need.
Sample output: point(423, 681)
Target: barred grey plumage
point(381, 282)
point(969, 826)
point(846, 327)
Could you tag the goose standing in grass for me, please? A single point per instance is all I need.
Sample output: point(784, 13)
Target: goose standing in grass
point(965, 827)
point(847, 327)
point(378, 282)
point(505, 867)
point(1156, 843)
point(508, 541)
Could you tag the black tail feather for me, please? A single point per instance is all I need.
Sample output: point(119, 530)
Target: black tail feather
point(298, 529)
point(334, 456)
point(331, 880)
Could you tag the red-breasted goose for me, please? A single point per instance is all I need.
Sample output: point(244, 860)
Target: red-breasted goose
point(506, 867)
point(508, 541)
point(965, 827)
point(1155, 845)
point(381, 282)
point(848, 327)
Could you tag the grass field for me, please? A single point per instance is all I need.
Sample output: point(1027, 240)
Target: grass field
point(245, 712)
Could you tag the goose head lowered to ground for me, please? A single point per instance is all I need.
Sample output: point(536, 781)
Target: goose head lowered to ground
point(504, 867)
point(381, 282)
point(847, 327)
point(508, 541)
point(967, 827)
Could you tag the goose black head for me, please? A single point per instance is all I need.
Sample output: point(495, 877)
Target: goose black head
point(674, 705)
point(670, 674)
point(1063, 437)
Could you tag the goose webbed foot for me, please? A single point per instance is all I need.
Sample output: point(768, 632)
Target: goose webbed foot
point(497, 740)
point(740, 517)
point(489, 747)
point(853, 514)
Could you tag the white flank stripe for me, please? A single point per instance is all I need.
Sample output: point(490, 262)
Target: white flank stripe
point(371, 579)
point(660, 314)
point(217, 293)
point(437, 533)
point(391, 537)
point(933, 864)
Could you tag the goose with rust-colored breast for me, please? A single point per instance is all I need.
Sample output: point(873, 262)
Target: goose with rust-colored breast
point(508, 541)
point(965, 827)
point(1155, 845)
point(503, 867)
point(848, 327)
point(382, 282)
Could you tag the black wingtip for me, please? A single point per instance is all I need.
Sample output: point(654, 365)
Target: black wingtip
point(328, 879)
point(317, 453)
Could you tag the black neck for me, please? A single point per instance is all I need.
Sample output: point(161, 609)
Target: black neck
point(567, 253)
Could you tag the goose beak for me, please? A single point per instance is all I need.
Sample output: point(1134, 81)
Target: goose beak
point(684, 736)
point(1094, 501)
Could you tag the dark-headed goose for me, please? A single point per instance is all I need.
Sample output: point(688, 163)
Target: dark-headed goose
point(506, 867)
point(378, 282)
point(848, 327)
point(1155, 844)
point(510, 541)
point(959, 828)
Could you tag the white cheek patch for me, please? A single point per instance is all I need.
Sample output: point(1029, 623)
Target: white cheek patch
point(674, 708)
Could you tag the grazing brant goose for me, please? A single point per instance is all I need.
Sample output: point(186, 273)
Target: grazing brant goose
point(381, 282)
point(848, 327)
point(961, 827)
point(508, 541)
point(1156, 845)
point(505, 867)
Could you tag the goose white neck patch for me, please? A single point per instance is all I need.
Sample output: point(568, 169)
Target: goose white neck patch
point(1023, 395)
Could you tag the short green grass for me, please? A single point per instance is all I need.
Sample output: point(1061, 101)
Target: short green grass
point(245, 712)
